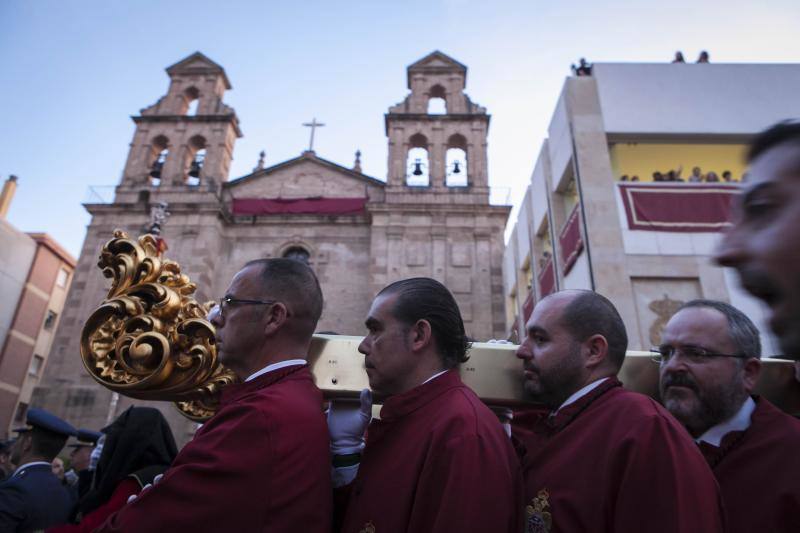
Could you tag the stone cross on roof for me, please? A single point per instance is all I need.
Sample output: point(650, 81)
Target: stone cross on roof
point(313, 125)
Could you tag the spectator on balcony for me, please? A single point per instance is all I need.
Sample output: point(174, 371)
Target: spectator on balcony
point(674, 175)
point(696, 176)
point(727, 176)
point(624, 177)
point(703, 57)
point(635, 178)
point(712, 177)
point(583, 68)
point(658, 176)
point(679, 57)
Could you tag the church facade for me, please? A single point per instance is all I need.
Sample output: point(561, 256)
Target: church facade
point(430, 217)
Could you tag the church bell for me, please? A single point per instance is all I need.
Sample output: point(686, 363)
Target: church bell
point(194, 170)
point(155, 172)
point(456, 169)
point(417, 168)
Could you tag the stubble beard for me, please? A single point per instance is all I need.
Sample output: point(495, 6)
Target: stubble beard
point(559, 382)
point(701, 410)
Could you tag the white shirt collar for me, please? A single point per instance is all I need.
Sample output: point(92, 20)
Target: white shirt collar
point(275, 366)
point(580, 393)
point(738, 422)
point(26, 465)
point(436, 375)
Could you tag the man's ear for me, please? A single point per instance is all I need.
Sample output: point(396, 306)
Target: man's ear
point(596, 349)
point(277, 315)
point(420, 335)
point(750, 372)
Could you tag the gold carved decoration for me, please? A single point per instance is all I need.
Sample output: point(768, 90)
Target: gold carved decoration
point(149, 339)
point(664, 309)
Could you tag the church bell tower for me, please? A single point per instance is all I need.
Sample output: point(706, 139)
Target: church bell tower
point(184, 142)
point(437, 136)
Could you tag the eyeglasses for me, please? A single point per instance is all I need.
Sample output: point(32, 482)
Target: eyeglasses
point(694, 354)
point(227, 300)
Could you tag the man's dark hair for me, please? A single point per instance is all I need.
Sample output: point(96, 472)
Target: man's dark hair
point(427, 299)
point(46, 444)
point(743, 333)
point(787, 131)
point(294, 284)
point(590, 313)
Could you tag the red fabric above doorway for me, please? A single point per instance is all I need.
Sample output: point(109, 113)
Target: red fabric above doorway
point(297, 206)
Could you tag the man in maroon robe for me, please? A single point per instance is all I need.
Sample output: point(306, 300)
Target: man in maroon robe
point(710, 361)
point(438, 459)
point(262, 462)
point(602, 459)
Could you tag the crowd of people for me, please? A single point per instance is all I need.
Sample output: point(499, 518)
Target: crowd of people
point(590, 456)
point(697, 176)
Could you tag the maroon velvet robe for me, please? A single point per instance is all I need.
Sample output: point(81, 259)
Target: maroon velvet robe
point(437, 461)
point(758, 471)
point(262, 463)
point(614, 461)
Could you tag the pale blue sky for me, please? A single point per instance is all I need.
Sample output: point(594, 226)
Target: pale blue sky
point(72, 73)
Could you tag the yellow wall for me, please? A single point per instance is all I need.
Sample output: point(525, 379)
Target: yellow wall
point(642, 159)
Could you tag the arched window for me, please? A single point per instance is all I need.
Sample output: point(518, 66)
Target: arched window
point(417, 163)
point(437, 105)
point(298, 253)
point(197, 153)
point(158, 157)
point(456, 162)
point(192, 100)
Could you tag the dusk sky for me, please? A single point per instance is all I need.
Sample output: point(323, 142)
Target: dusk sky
point(73, 72)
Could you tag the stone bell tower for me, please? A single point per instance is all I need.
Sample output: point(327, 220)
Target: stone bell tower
point(437, 136)
point(436, 220)
point(185, 140)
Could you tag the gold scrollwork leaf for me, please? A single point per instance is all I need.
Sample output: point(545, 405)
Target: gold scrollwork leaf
point(149, 339)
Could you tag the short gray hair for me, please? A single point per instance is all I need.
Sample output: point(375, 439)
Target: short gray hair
point(743, 333)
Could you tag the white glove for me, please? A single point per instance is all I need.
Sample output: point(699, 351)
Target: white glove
point(156, 479)
point(347, 422)
point(505, 416)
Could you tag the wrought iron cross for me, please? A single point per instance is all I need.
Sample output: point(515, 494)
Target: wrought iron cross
point(313, 125)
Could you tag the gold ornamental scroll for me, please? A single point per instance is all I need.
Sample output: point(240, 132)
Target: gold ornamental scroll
point(149, 339)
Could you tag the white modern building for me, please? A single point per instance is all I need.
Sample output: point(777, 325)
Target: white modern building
point(596, 215)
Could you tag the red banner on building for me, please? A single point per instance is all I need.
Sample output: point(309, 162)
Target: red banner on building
point(297, 206)
point(678, 207)
point(527, 308)
point(547, 279)
point(570, 241)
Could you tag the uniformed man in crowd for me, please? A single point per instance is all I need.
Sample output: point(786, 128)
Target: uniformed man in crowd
point(602, 459)
point(6, 468)
point(709, 363)
point(33, 498)
point(78, 477)
point(438, 459)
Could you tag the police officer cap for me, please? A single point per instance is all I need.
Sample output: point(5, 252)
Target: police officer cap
point(39, 418)
point(86, 437)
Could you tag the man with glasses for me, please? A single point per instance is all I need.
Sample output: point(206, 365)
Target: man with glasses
point(709, 364)
point(602, 459)
point(262, 462)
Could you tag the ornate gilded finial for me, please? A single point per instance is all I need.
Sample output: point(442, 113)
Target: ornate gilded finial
point(150, 339)
point(260, 164)
point(357, 165)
